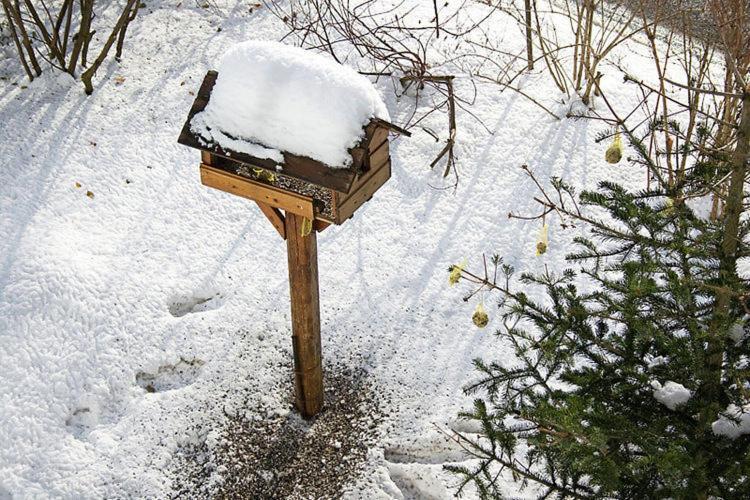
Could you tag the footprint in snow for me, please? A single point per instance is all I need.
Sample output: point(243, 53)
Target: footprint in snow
point(416, 466)
point(433, 449)
point(417, 483)
point(169, 377)
point(466, 426)
point(195, 303)
point(81, 421)
point(89, 412)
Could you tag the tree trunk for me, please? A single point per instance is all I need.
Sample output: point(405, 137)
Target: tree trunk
point(710, 392)
point(17, 41)
point(87, 10)
point(529, 44)
point(88, 75)
point(15, 17)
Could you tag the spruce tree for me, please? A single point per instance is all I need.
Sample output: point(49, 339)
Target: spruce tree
point(632, 374)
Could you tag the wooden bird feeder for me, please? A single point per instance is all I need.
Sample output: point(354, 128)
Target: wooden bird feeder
point(300, 197)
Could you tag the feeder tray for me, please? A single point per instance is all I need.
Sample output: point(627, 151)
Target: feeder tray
point(299, 185)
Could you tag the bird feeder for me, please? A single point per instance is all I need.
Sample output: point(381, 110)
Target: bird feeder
point(300, 196)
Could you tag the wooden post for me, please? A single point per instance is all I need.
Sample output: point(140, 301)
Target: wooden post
point(302, 253)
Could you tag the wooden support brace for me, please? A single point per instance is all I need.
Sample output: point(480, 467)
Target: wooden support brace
point(302, 254)
point(275, 216)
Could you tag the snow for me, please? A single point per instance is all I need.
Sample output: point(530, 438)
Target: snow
point(198, 125)
point(654, 361)
point(733, 423)
point(671, 394)
point(738, 332)
point(289, 99)
point(159, 281)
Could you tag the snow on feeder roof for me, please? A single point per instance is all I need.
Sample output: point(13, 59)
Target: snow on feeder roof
point(270, 97)
point(290, 111)
point(291, 129)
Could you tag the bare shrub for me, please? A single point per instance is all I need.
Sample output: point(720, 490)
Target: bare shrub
point(571, 56)
point(393, 42)
point(61, 36)
point(685, 126)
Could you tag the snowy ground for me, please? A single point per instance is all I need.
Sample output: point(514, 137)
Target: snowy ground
point(137, 323)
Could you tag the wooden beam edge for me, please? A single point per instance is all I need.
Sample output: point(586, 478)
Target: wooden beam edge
point(256, 191)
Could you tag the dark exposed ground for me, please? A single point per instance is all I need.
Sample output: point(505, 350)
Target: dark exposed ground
point(286, 456)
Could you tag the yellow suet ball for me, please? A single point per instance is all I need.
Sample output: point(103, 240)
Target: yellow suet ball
point(306, 227)
point(614, 151)
point(541, 241)
point(455, 272)
point(480, 317)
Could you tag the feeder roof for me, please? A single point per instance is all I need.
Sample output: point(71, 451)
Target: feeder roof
point(270, 98)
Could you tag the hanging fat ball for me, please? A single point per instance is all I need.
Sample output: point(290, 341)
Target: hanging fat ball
point(455, 272)
point(541, 241)
point(306, 227)
point(668, 208)
point(614, 151)
point(480, 317)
